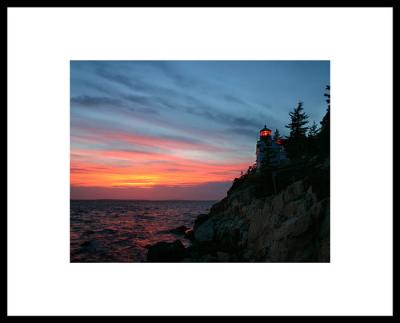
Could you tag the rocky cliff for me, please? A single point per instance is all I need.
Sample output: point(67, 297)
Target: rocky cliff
point(291, 225)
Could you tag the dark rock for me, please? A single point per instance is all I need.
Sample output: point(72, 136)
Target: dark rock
point(90, 246)
point(166, 252)
point(200, 219)
point(205, 231)
point(208, 258)
point(202, 248)
point(189, 234)
point(179, 230)
point(222, 256)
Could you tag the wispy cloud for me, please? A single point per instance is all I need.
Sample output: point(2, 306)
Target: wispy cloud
point(178, 124)
point(95, 101)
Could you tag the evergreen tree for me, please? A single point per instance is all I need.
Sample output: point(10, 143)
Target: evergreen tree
point(324, 133)
point(313, 130)
point(298, 121)
point(328, 96)
point(312, 140)
point(296, 142)
point(277, 135)
point(325, 121)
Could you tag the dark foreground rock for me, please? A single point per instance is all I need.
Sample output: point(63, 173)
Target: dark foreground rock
point(179, 230)
point(166, 252)
point(189, 234)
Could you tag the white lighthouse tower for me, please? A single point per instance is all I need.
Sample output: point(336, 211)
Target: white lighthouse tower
point(262, 145)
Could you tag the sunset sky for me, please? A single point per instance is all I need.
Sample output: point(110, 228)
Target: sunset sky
point(179, 129)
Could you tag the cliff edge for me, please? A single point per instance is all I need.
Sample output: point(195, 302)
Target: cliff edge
point(279, 216)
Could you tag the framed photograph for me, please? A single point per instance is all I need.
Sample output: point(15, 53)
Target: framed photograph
point(171, 162)
point(200, 161)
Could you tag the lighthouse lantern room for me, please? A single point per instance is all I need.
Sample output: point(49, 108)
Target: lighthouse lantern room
point(265, 132)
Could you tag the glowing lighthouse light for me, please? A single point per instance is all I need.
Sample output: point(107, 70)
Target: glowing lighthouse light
point(265, 132)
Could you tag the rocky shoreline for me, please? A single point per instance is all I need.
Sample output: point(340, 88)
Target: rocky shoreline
point(292, 225)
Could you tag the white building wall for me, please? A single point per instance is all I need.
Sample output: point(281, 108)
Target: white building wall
point(260, 153)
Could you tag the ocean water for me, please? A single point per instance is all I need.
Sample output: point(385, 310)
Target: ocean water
point(119, 230)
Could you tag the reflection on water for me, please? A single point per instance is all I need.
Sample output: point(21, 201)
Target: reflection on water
point(118, 231)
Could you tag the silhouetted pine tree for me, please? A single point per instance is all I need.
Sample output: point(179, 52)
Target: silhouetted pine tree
point(277, 135)
point(298, 121)
point(324, 133)
point(296, 141)
point(313, 130)
point(313, 140)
